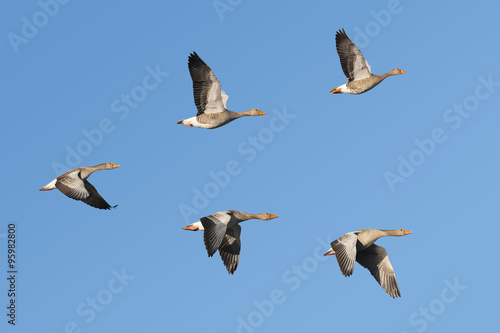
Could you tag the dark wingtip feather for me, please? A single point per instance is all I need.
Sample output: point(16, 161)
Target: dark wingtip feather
point(192, 56)
point(194, 60)
point(341, 35)
point(107, 207)
point(210, 248)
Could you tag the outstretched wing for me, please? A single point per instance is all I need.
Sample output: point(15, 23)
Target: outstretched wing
point(73, 186)
point(95, 199)
point(345, 251)
point(353, 63)
point(229, 249)
point(206, 87)
point(215, 226)
point(375, 259)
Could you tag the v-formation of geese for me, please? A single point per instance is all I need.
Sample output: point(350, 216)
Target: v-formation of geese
point(222, 230)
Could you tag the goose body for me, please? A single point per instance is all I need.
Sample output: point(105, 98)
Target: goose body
point(74, 184)
point(222, 232)
point(359, 246)
point(210, 100)
point(356, 68)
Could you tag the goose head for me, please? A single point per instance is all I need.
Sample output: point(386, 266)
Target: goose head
point(111, 165)
point(268, 216)
point(396, 71)
point(255, 112)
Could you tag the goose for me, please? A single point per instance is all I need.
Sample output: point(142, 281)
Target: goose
point(358, 246)
point(210, 100)
point(356, 68)
point(221, 231)
point(74, 184)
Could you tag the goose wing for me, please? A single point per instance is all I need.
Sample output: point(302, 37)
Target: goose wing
point(215, 226)
point(73, 186)
point(94, 199)
point(345, 251)
point(353, 63)
point(208, 96)
point(229, 249)
point(375, 259)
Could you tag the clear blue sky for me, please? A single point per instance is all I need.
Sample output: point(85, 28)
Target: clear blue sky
point(93, 82)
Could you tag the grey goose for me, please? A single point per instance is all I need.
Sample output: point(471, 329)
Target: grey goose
point(74, 184)
point(356, 68)
point(359, 246)
point(210, 100)
point(221, 231)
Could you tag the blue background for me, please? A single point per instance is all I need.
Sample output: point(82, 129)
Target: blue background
point(323, 169)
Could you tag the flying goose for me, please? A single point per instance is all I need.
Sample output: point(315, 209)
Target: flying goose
point(358, 246)
point(74, 185)
point(356, 68)
point(210, 100)
point(222, 232)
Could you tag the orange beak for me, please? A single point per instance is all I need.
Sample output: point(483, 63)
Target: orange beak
point(329, 252)
point(261, 113)
point(274, 216)
point(402, 71)
point(407, 232)
point(115, 165)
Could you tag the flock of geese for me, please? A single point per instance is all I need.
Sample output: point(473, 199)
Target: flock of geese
point(222, 230)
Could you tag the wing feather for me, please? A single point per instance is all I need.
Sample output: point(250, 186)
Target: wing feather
point(73, 186)
point(215, 226)
point(375, 259)
point(206, 87)
point(230, 247)
point(95, 199)
point(345, 251)
point(353, 63)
